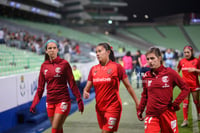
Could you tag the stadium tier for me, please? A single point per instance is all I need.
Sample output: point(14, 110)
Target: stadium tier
point(194, 32)
point(93, 39)
point(13, 61)
point(165, 36)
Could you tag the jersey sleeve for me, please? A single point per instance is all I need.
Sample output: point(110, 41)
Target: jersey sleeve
point(40, 89)
point(121, 72)
point(198, 64)
point(179, 65)
point(182, 85)
point(90, 75)
point(71, 81)
point(144, 97)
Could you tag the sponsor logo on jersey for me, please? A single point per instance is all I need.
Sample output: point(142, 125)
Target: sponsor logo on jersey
point(186, 68)
point(102, 80)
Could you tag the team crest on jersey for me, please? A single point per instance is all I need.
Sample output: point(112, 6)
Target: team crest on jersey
point(193, 63)
point(57, 70)
point(109, 71)
point(165, 79)
point(95, 72)
point(45, 71)
point(149, 83)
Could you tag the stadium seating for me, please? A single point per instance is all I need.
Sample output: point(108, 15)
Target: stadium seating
point(13, 61)
point(166, 36)
point(93, 38)
point(193, 32)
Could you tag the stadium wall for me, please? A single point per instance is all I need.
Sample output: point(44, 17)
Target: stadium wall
point(17, 92)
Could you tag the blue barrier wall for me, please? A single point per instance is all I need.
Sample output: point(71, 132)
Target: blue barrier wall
point(20, 120)
point(11, 117)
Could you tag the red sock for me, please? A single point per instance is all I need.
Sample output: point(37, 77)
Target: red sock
point(54, 130)
point(185, 109)
point(197, 105)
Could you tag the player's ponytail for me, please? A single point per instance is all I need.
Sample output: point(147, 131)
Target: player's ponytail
point(108, 47)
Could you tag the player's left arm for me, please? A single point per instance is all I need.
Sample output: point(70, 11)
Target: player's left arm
point(177, 80)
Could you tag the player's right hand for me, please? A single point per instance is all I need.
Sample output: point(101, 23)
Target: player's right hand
point(139, 115)
point(174, 107)
point(86, 95)
point(32, 109)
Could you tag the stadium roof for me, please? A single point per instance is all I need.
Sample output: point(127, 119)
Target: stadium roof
point(137, 9)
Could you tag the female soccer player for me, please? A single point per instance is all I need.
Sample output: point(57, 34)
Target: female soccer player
point(190, 67)
point(105, 77)
point(56, 72)
point(157, 95)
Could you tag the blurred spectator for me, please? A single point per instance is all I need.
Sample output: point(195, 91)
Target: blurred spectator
point(38, 46)
point(2, 35)
point(169, 58)
point(137, 67)
point(120, 49)
point(77, 76)
point(67, 55)
point(143, 64)
point(77, 49)
point(128, 66)
point(120, 61)
point(61, 49)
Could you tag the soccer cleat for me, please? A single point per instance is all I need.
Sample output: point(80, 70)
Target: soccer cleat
point(184, 124)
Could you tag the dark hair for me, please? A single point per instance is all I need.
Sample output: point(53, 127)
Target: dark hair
point(156, 51)
point(128, 53)
point(46, 57)
point(108, 47)
point(139, 52)
point(191, 49)
point(74, 66)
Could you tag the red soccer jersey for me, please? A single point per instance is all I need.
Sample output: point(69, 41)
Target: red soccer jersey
point(56, 73)
point(157, 92)
point(191, 78)
point(106, 81)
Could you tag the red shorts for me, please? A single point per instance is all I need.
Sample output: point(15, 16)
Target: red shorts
point(108, 121)
point(166, 123)
point(60, 108)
